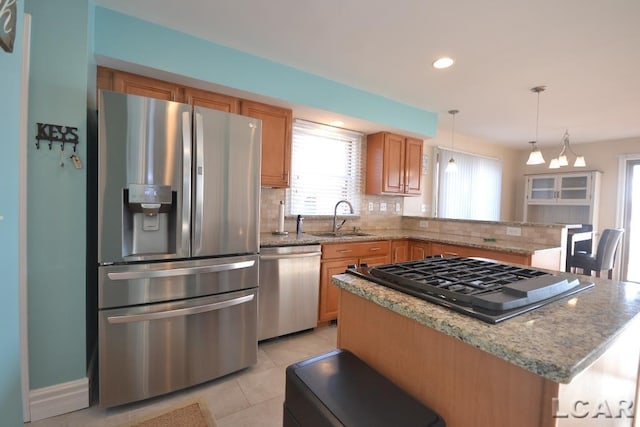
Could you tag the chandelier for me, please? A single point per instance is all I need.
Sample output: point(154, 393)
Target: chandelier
point(562, 160)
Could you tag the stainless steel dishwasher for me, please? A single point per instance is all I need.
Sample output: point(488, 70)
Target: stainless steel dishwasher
point(288, 292)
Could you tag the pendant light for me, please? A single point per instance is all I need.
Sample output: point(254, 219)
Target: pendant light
point(535, 157)
point(562, 160)
point(451, 166)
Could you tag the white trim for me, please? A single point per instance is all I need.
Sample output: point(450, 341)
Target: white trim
point(620, 208)
point(59, 399)
point(622, 185)
point(22, 217)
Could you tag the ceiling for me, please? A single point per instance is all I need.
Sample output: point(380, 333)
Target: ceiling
point(587, 53)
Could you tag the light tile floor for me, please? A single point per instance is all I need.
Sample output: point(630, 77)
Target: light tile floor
point(251, 397)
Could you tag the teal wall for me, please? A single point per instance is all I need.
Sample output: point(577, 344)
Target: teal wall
point(139, 42)
point(10, 81)
point(56, 195)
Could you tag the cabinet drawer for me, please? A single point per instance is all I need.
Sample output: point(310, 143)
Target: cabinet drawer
point(359, 249)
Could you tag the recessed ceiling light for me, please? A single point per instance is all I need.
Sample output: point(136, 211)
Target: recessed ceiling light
point(337, 123)
point(441, 63)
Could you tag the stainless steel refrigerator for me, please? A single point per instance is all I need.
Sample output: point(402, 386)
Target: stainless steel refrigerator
point(178, 237)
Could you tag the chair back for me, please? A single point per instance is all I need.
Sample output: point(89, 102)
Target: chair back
point(606, 253)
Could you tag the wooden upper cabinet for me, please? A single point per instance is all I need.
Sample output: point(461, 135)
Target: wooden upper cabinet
point(394, 164)
point(276, 121)
point(413, 166)
point(146, 86)
point(276, 141)
point(215, 101)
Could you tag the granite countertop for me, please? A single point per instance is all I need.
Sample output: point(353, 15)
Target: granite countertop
point(557, 341)
point(512, 246)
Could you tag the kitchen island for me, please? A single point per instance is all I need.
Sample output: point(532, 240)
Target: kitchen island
point(572, 362)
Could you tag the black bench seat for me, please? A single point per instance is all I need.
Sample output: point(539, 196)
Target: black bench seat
point(339, 389)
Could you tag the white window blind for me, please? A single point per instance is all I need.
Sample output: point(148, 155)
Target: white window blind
point(325, 168)
point(473, 192)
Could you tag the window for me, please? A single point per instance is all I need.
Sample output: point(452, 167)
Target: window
point(325, 168)
point(473, 192)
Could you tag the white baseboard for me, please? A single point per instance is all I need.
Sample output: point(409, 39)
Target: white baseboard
point(59, 399)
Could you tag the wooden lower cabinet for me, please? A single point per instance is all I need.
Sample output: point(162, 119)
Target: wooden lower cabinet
point(335, 259)
point(467, 251)
point(419, 249)
point(328, 301)
point(544, 259)
point(399, 250)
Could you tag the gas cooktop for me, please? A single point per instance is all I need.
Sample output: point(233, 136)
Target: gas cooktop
point(485, 289)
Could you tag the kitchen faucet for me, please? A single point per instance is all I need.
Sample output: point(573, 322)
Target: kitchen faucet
point(336, 227)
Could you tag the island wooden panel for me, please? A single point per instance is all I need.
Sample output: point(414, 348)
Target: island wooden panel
point(468, 386)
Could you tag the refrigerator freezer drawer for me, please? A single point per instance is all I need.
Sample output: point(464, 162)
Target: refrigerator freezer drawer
point(150, 350)
point(123, 285)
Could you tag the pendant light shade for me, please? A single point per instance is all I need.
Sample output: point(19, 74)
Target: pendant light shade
point(535, 157)
point(451, 166)
point(562, 159)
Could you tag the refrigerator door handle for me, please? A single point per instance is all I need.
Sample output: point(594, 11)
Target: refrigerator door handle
point(199, 183)
point(152, 274)
point(186, 181)
point(130, 318)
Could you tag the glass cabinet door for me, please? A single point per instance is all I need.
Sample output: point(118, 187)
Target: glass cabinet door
point(542, 188)
point(574, 188)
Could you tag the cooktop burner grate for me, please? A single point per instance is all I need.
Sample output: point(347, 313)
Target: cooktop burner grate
point(481, 288)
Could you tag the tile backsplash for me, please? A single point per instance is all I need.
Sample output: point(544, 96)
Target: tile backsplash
point(543, 234)
point(391, 219)
point(376, 219)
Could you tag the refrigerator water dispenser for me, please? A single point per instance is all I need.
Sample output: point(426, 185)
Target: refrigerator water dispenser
point(148, 214)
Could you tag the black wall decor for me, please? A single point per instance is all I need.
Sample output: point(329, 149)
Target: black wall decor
point(7, 24)
point(57, 134)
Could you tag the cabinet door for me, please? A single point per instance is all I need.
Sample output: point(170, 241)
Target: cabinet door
point(215, 101)
point(328, 305)
point(399, 251)
point(541, 189)
point(444, 250)
point(413, 166)
point(375, 260)
point(393, 163)
point(145, 86)
point(419, 250)
point(276, 141)
point(574, 189)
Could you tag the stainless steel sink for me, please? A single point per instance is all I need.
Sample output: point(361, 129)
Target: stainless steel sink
point(340, 234)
